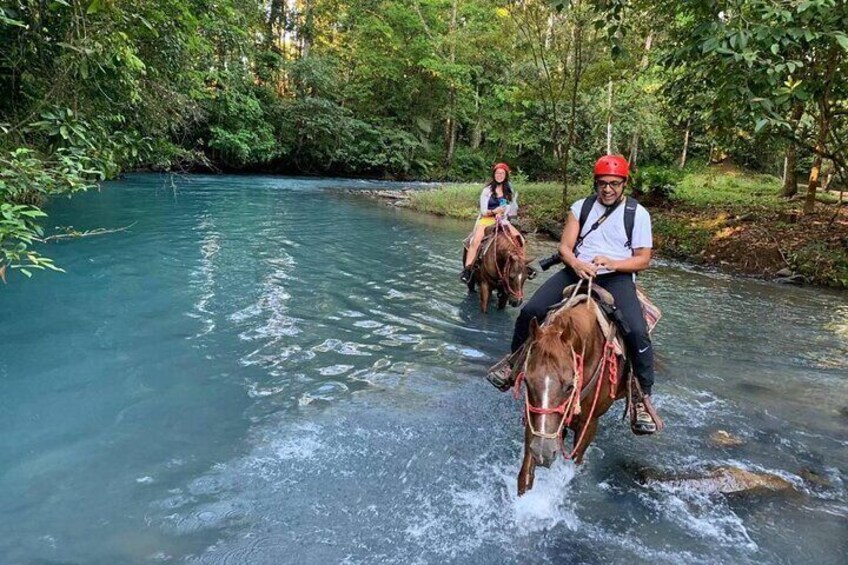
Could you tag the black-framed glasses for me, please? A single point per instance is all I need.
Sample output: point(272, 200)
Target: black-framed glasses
point(615, 184)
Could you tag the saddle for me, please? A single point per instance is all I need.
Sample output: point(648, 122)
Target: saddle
point(489, 236)
point(613, 328)
point(605, 306)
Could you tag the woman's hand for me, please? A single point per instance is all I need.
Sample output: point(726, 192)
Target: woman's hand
point(604, 262)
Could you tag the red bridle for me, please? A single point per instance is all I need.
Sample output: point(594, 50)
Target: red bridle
point(570, 407)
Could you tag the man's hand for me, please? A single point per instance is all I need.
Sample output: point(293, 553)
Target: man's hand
point(604, 262)
point(584, 270)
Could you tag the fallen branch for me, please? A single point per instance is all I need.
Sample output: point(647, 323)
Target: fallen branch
point(779, 250)
point(73, 234)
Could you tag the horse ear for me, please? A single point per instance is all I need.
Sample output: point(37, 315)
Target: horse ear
point(534, 328)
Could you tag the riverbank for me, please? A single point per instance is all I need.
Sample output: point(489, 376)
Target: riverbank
point(726, 220)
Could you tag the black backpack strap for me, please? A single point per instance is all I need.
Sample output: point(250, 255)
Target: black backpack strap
point(587, 206)
point(585, 210)
point(630, 205)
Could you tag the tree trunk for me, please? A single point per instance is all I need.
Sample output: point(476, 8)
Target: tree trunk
point(813, 185)
point(577, 40)
point(450, 129)
point(609, 118)
point(790, 174)
point(450, 122)
point(308, 29)
point(824, 128)
point(648, 41)
point(477, 130)
point(634, 143)
point(686, 144)
point(634, 149)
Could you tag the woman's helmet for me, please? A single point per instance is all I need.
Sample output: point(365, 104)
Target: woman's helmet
point(612, 165)
point(503, 166)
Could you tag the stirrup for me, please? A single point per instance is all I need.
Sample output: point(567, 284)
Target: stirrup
point(500, 374)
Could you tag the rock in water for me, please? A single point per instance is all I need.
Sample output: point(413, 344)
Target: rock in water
point(814, 478)
point(794, 279)
point(727, 480)
point(721, 438)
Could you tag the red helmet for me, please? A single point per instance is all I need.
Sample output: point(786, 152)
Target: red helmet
point(612, 165)
point(503, 166)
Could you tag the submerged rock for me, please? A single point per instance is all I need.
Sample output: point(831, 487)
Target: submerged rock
point(721, 438)
point(724, 480)
point(794, 279)
point(814, 478)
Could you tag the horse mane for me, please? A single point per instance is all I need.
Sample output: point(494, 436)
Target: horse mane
point(572, 329)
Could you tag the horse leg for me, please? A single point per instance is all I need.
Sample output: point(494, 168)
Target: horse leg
point(528, 467)
point(588, 436)
point(485, 294)
point(502, 297)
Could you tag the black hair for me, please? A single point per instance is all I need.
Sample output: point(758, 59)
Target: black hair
point(507, 187)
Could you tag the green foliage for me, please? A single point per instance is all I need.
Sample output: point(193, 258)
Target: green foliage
point(428, 89)
point(240, 133)
point(733, 190)
point(26, 179)
point(657, 183)
point(455, 201)
point(680, 237)
point(468, 164)
point(821, 263)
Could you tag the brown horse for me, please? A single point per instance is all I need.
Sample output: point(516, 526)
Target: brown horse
point(572, 377)
point(502, 268)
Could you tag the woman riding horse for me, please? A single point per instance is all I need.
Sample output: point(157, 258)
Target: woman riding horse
point(497, 203)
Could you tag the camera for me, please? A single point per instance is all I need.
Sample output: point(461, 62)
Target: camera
point(549, 262)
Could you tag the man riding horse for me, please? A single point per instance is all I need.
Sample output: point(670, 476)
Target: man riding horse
point(607, 238)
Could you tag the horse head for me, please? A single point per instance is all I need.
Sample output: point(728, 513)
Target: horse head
point(553, 377)
point(511, 268)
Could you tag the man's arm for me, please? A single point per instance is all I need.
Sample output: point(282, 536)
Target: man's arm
point(566, 248)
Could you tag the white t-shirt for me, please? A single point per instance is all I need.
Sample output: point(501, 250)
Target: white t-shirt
point(610, 239)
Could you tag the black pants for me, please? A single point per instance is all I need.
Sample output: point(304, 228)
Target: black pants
point(623, 290)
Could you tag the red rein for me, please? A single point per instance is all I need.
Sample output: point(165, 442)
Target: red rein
point(571, 405)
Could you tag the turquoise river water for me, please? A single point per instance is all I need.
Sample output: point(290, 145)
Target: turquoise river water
point(273, 370)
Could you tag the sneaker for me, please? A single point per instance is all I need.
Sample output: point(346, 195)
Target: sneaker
point(644, 423)
point(466, 274)
point(500, 374)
